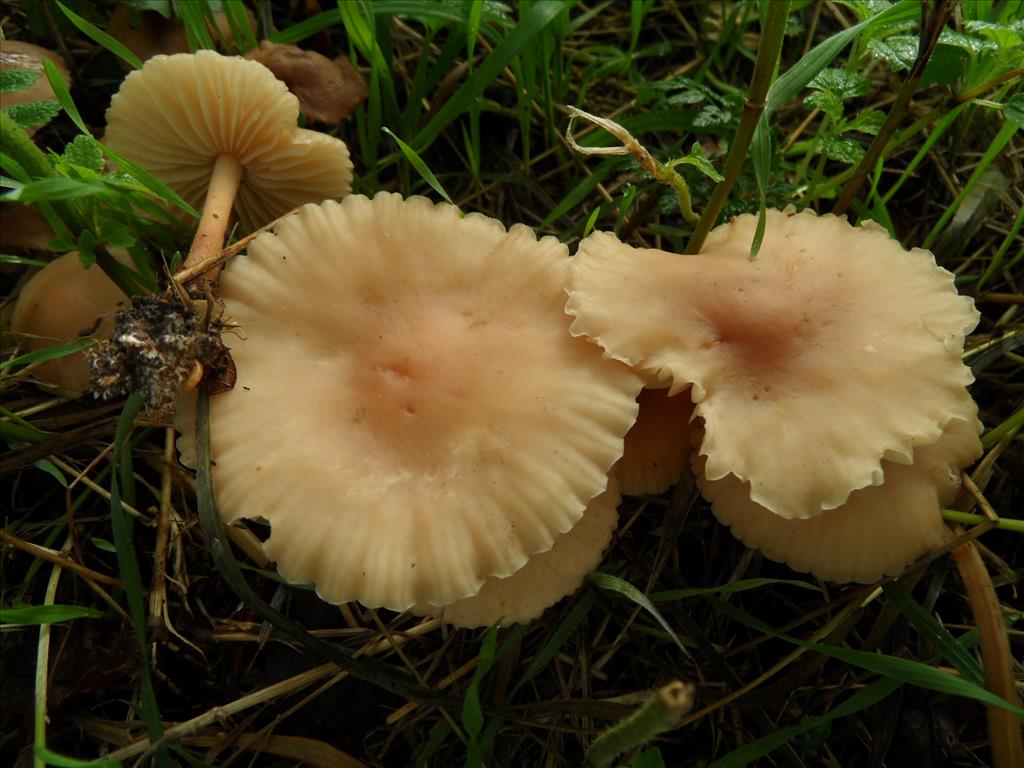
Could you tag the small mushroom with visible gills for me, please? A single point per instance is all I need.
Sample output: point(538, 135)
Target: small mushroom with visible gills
point(223, 133)
point(425, 366)
point(62, 303)
point(787, 354)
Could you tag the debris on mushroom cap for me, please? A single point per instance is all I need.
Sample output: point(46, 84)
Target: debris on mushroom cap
point(327, 90)
point(17, 55)
point(418, 364)
point(60, 304)
point(879, 531)
point(157, 34)
point(546, 578)
point(788, 353)
point(178, 114)
point(657, 446)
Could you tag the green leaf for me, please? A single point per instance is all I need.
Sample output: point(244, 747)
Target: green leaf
point(103, 544)
point(48, 353)
point(898, 51)
point(101, 37)
point(827, 102)
point(951, 649)
point(845, 85)
point(534, 21)
point(46, 614)
point(61, 761)
point(85, 152)
point(60, 89)
point(864, 698)
point(48, 190)
point(48, 467)
point(617, 586)
point(9, 258)
point(1013, 110)
point(736, 586)
point(33, 113)
point(869, 121)
point(17, 79)
point(841, 150)
point(421, 167)
point(649, 758)
point(472, 713)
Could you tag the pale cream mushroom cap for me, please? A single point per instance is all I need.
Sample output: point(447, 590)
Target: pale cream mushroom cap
point(174, 117)
point(657, 446)
point(878, 532)
point(15, 54)
point(832, 351)
point(63, 303)
point(546, 578)
point(411, 414)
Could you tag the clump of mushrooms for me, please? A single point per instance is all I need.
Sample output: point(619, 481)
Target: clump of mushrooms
point(422, 360)
point(816, 369)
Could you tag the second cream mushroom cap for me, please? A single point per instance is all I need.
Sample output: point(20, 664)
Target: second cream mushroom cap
point(411, 414)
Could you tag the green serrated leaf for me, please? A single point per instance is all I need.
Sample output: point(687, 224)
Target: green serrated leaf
point(827, 102)
point(46, 614)
point(841, 150)
point(33, 113)
point(868, 121)
point(898, 51)
point(17, 79)
point(845, 85)
point(699, 160)
point(970, 43)
point(85, 152)
point(712, 116)
point(1013, 110)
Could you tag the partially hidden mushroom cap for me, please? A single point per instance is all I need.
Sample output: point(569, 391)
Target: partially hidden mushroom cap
point(833, 350)
point(63, 303)
point(546, 578)
point(327, 90)
point(178, 113)
point(15, 54)
point(657, 447)
point(411, 414)
point(878, 532)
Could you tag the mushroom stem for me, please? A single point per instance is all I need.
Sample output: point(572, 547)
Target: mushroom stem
point(213, 223)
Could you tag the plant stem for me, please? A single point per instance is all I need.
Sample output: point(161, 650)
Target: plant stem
point(968, 518)
point(1003, 727)
point(753, 105)
point(213, 223)
point(658, 714)
point(931, 28)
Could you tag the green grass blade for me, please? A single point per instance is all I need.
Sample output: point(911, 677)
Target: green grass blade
point(121, 480)
point(197, 18)
point(748, 754)
point(61, 761)
point(99, 36)
point(524, 33)
point(951, 649)
point(63, 95)
point(558, 639)
point(46, 614)
point(617, 586)
point(733, 588)
point(49, 353)
point(421, 167)
point(893, 667)
point(472, 713)
point(241, 32)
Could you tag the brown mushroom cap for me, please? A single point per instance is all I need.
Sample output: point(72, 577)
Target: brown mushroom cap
point(546, 578)
point(60, 304)
point(411, 414)
point(879, 531)
point(327, 90)
point(657, 447)
point(832, 351)
point(17, 55)
point(177, 114)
